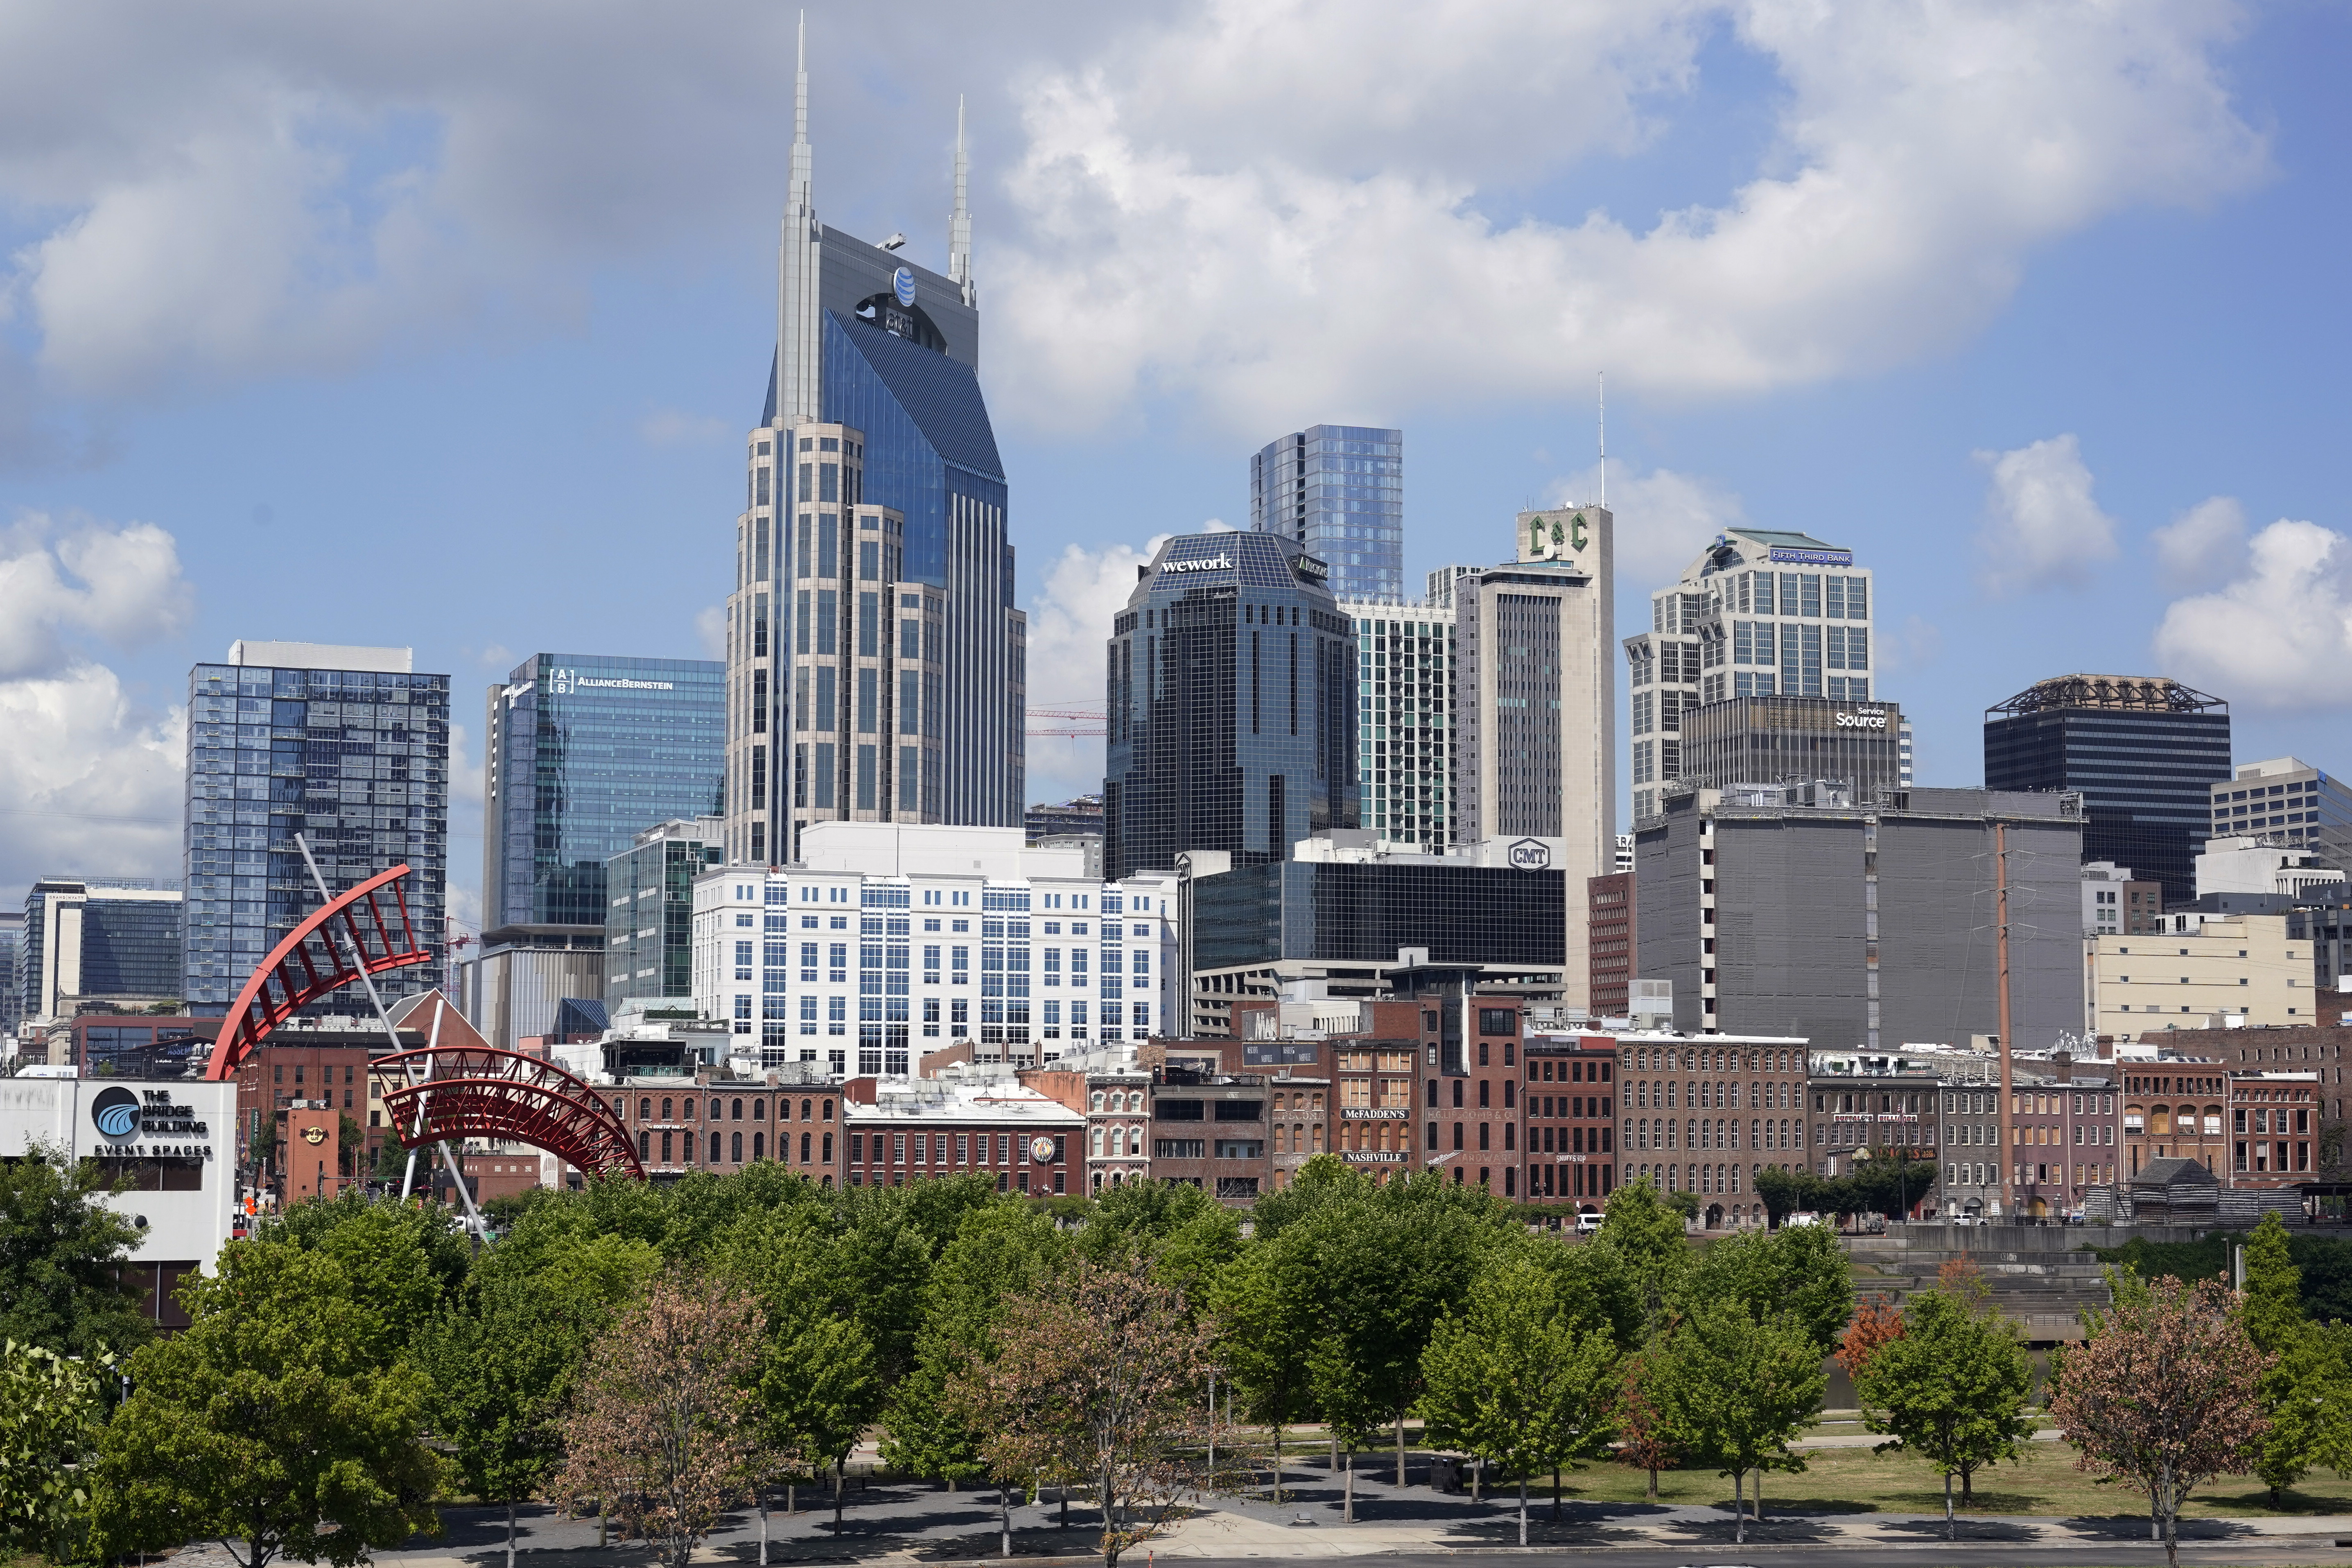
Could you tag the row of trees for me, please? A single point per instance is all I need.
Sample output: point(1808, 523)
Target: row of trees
point(1891, 1185)
point(666, 1353)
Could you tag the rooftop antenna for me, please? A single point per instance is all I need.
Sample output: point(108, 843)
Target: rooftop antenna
point(1600, 379)
point(959, 220)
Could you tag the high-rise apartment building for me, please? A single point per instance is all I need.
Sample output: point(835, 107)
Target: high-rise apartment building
point(581, 753)
point(1404, 730)
point(1338, 492)
point(1761, 613)
point(1535, 756)
point(2144, 751)
point(2288, 801)
point(1231, 701)
point(97, 943)
point(875, 451)
point(347, 746)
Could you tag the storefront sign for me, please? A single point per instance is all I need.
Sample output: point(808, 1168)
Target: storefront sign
point(1374, 1156)
point(1374, 1113)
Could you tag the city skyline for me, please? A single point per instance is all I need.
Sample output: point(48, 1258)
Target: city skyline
point(2041, 483)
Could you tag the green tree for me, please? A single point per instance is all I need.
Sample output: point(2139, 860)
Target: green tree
point(403, 1264)
point(268, 1424)
point(1800, 1270)
point(60, 1248)
point(999, 1252)
point(1785, 1192)
point(1733, 1391)
point(51, 1409)
point(1646, 1231)
point(1266, 1309)
point(1513, 1378)
point(503, 1361)
point(1950, 1388)
point(2303, 1394)
point(1185, 1235)
point(1894, 1182)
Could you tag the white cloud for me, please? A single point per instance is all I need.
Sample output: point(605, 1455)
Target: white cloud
point(1914, 645)
point(710, 626)
point(2204, 544)
point(2042, 528)
point(1069, 622)
point(86, 785)
point(1662, 520)
point(1226, 201)
point(1259, 204)
point(2278, 636)
point(122, 585)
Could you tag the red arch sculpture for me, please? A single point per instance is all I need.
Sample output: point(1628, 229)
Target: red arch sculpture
point(311, 962)
point(480, 1092)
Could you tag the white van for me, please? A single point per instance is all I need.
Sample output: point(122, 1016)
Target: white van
point(1587, 1223)
point(1802, 1217)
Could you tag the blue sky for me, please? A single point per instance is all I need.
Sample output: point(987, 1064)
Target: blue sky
point(442, 330)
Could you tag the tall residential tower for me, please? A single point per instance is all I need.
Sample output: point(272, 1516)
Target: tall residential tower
point(875, 666)
point(1338, 491)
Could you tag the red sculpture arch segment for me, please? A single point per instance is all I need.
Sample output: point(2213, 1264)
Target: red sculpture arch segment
point(481, 1092)
point(313, 961)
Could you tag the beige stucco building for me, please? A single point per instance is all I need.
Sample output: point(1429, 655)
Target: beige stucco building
point(2234, 972)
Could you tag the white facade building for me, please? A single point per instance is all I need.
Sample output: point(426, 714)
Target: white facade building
point(890, 941)
point(2252, 864)
point(1405, 724)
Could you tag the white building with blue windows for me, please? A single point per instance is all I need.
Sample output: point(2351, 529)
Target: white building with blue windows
point(886, 942)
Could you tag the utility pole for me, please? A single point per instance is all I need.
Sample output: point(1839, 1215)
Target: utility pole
point(2008, 1100)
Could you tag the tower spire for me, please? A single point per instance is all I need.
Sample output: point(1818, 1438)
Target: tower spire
point(796, 263)
point(959, 220)
point(1601, 380)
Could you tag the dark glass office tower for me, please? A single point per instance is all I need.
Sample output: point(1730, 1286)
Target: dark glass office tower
point(581, 753)
point(1230, 695)
point(2141, 750)
point(349, 747)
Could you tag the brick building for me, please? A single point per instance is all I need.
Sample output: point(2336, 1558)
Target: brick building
point(2066, 1138)
point(1609, 920)
point(1572, 1119)
point(2173, 1108)
point(901, 1129)
point(2273, 1128)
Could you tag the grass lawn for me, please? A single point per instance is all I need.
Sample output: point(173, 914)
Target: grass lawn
point(1855, 1480)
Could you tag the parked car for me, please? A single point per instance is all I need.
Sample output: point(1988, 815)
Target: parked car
point(1587, 1223)
point(1804, 1217)
point(1965, 1219)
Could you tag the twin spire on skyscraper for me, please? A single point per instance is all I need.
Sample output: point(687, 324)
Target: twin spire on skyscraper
point(797, 264)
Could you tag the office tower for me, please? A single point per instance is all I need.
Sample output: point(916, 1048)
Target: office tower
point(581, 753)
point(12, 992)
point(2144, 752)
point(1861, 923)
point(1535, 756)
point(874, 434)
point(649, 910)
point(99, 943)
point(1231, 703)
point(887, 943)
point(1756, 614)
point(347, 746)
point(1404, 730)
point(2288, 801)
point(2115, 903)
point(1779, 740)
point(1338, 491)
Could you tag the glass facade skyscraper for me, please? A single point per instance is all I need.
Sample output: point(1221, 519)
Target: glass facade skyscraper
point(89, 941)
point(649, 911)
point(1338, 491)
point(2144, 751)
point(874, 418)
point(347, 746)
point(583, 752)
point(1230, 695)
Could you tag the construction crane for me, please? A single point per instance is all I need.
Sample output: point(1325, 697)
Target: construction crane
point(1074, 722)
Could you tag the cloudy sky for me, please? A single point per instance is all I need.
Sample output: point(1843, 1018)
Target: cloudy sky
point(439, 324)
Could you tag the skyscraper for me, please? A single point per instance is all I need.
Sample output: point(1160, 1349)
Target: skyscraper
point(1338, 490)
point(581, 753)
point(1231, 696)
point(2142, 751)
point(1533, 695)
point(1404, 730)
point(347, 746)
point(874, 434)
point(96, 942)
point(1756, 614)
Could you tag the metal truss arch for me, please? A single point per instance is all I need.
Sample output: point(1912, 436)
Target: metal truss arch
point(431, 1095)
point(312, 961)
